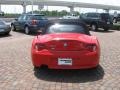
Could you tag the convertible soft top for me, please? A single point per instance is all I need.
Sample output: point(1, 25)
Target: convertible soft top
point(66, 21)
point(69, 21)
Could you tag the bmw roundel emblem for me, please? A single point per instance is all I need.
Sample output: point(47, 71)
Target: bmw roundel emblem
point(65, 45)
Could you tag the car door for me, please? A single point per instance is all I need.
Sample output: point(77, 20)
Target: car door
point(86, 17)
point(22, 22)
point(90, 18)
point(17, 22)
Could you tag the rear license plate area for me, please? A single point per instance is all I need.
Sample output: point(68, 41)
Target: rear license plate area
point(64, 61)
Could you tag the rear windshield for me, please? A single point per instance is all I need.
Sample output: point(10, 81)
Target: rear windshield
point(38, 17)
point(64, 28)
point(105, 16)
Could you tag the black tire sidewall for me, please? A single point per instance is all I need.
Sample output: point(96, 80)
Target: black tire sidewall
point(28, 30)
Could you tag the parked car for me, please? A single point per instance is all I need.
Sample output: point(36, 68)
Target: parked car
point(65, 44)
point(29, 23)
point(72, 16)
point(97, 20)
point(1, 13)
point(116, 19)
point(4, 28)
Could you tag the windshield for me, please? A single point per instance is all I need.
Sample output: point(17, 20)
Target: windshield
point(38, 17)
point(64, 28)
point(105, 16)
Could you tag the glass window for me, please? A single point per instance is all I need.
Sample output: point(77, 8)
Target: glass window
point(39, 17)
point(94, 15)
point(64, 28)
point(21, 18)
point(105, 16)
point(25, 17)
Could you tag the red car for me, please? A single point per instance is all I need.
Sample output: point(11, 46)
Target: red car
point(65, 44)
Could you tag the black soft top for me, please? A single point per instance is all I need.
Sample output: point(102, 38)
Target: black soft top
point(68, 21)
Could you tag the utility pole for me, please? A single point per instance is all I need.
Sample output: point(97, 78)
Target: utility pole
point(32, 5)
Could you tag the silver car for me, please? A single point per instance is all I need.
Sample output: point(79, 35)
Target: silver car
point(4, 28)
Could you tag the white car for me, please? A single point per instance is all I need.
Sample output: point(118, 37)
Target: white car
point(70, 17)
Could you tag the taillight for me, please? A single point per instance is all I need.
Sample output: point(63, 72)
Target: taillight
point(91, 48)
point(39, 46)
point(34, 22)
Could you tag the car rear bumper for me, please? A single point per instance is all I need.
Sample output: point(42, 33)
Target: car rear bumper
point(34, 28)
point(4, 31)
point(80, 60)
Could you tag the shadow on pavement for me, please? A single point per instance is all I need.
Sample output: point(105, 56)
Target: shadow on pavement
point(31, 34)
point(102, 31)
point(3, 35)
point(70, 76)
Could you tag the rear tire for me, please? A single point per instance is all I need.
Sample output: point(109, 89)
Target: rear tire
point(27, 30)
point(114, 20)
point(94, 27)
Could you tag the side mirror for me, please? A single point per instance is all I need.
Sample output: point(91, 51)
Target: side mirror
point(16, 19)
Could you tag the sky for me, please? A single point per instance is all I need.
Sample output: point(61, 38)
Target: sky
point(19, 9)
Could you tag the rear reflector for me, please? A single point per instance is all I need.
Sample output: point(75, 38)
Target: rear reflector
point(34, 22)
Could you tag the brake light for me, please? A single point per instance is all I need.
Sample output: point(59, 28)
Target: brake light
point(34, 22)
point(39, 46)
point(91, 48)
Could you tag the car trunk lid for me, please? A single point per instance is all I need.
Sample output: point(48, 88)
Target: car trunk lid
point(65, 42)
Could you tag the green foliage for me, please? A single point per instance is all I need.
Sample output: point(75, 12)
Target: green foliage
point(10, 15)
point(52, 13)
point(46, 13)
point(116, 27)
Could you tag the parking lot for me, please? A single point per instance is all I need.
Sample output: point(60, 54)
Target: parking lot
point(16, 70)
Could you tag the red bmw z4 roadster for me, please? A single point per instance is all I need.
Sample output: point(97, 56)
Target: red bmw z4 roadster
point(65, 44)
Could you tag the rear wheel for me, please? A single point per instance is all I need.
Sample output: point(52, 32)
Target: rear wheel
point(94, 27)
point(114, 20)
point(13, 28)
point(27, 30)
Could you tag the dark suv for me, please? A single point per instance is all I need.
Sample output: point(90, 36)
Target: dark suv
point(29, 23)
point(97, 20)
point(116, 19)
